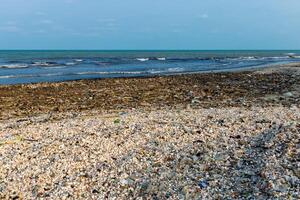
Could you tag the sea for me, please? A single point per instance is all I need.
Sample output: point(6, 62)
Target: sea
point(20, 67)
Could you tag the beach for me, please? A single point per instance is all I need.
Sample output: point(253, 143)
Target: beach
point(225, 135)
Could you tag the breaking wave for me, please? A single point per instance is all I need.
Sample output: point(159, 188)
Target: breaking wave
point(143, 59)
point(14, 66)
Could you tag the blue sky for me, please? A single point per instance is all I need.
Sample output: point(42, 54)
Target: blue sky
point(145, 24)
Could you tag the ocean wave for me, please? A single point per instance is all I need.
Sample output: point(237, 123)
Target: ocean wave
point(3, 77)
point(176, 69)
point(142, 59)
point(55, 67)
point(16, 76)
point(293, 56)
point(290, 54)
point(44, 64)
point(67, 74)
point(244, 58)
point(277, 58)
point(116, 72)
point(70, 63)
point(155, 71)
point(100, 63)
point(249, 58)
point(151, 58)
point(256, 58)
point(14, 66)
point(169, 70)
point(31, 75)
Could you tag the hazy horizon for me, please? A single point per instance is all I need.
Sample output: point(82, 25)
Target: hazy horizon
point(149, 49)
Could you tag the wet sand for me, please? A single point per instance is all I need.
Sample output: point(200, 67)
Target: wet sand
point(203, 136)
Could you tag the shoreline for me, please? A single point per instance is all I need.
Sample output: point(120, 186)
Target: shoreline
point(273, 85)
point(200, 136)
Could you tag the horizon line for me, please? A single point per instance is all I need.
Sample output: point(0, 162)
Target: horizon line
point(149, 49)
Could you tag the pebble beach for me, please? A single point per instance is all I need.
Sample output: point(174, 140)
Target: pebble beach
point(227, 135)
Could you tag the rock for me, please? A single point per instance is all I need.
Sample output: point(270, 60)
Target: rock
point(123, 113)
point(190, 94)
point(195, 101)
point(292, 180)
point(126, 182)
point(95, 191)
point(144, 186)
point(203, 184)
point(288, 94)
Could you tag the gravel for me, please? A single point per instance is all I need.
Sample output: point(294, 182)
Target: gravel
point(190, 153)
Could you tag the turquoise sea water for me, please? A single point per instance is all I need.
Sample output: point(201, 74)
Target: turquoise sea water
point(50, 66)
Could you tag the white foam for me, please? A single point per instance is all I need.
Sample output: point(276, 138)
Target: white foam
point(142, 59)
point(290, 54)
point(293, 56)
point(161, 59)
point(70, 63)
point(3, 77)
point(169, 70)
point(30, 75)
point(14, 66)
point(278, 57)
point(155, 71)
point(16, 76)
point(116, 72)
point(54, 74)
point(176, 69)
point(57, 67)
point(40, 64)
point(248, 58)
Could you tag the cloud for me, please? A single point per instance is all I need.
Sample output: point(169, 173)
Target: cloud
point(107, 20)
point(100, 30)
point(203, 16)
point(10, 28)
point(46, 21)
point(69, 1)
point(106, 24)
point(40, 31)
point(177, 31)
point(11, 23)
point(40, 13)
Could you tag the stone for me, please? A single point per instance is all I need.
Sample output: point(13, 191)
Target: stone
point(288, 94)
point(203, 184)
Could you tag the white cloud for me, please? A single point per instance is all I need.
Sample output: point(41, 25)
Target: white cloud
point(69, 1)
point(177, 31)
point(203, 16)
point(46, 21)
point(11, 23)
point(107, 20)
point(40, 13)
point(41, 31)
point(10, 28)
